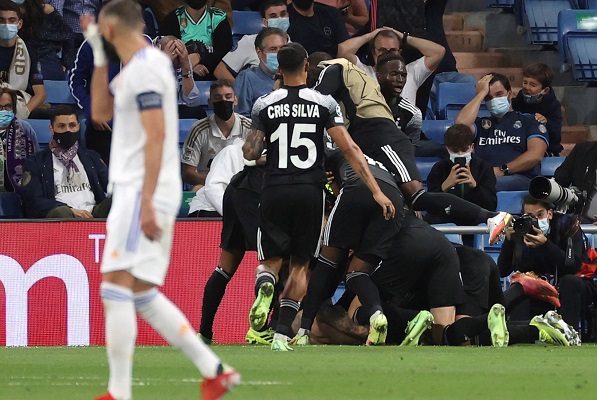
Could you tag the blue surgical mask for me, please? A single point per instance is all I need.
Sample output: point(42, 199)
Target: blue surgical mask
point(19, 2)
point(532, 98)
point(468, 157)
point(498, 106)
point(8, 31)
point(271, 62)
point(5, 117)
point(280, 23)
point(543, 225)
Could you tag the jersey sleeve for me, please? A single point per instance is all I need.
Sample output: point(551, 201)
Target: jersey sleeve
point(191, 149)
point(242, 55)
point(536, 130)
point(418, 71)
point(330, 80)
point(148, 86)
point(256, 120)
point(335, 113)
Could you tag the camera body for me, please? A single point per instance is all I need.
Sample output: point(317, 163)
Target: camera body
point(524, 224)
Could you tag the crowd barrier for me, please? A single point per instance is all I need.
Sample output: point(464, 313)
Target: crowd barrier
point(49, 282)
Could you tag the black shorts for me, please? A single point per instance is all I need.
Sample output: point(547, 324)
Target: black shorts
point(422, 271)
point(356, 222)
point(240, 220)
point(382, 140)
point(291, 218)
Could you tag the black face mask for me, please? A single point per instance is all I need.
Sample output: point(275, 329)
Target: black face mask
point(196, 4)
point(302, 4)
point(66, 139)
point(110, 51)
point(223, 109)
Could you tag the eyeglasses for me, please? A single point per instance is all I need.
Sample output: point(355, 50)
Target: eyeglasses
point(7, 107)
point(381, 51)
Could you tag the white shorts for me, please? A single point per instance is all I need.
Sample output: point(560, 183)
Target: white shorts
point(127, 248)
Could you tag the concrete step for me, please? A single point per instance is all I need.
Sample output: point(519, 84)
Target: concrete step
point(453, 22)
point(514, 74)
point(575, 134)
point(465, 41)
point(479, 60)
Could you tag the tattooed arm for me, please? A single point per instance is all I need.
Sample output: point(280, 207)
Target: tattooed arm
point(254, 145)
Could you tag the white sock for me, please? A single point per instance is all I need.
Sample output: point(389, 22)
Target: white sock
point(171, 323)
point(121, 332)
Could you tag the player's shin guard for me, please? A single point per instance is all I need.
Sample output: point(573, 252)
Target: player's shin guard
point(121, 332)
point(212, 297)
point(322, 285)
point(170, 322)
point(288, 310)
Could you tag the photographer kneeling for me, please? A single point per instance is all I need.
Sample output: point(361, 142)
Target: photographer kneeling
point(551, 245)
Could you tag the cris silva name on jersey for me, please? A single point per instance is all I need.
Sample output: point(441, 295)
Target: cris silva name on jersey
point(297, 111)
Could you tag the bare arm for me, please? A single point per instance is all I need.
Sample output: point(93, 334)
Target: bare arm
point(191, 176)
point(358, 15)
point(348, 49)
point(222, 72)
point(39, 95)
point(535, 150)
point(254, 145)
point(357, 161)
point(153, 123)
point(469, 112)
point(433, 52)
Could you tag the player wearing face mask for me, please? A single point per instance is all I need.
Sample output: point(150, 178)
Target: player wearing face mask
point(553, 249)
point(512, 142)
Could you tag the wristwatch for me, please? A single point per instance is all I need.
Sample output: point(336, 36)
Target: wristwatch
point(404, 37)
point(188, 74)
point(504, 168)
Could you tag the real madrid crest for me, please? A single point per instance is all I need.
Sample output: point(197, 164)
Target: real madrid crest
point(542, 128)
point(517, 125)
point(183, 22)
point(485, 124)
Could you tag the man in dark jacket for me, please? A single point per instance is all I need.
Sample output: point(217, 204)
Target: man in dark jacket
point(580, 169)
point(65, 180)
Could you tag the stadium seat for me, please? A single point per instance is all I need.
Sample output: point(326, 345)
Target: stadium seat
point(577, 33)
point(435, 129)
point(424, 165)
point(452, 97)
point(203, 87)
point(184, 126)
point(541, 19)
point(10, 205)
point(550, 164)
point(245, 23)
point(58, 92)
point(499, 3)
point(42, 130)
point(511, 201)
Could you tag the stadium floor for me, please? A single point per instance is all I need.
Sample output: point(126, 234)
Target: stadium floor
point(318, 372)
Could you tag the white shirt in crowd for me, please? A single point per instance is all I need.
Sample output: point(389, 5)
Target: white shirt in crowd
point(74, 190)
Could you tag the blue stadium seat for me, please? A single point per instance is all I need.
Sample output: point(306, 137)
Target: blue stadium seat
point(203, 87)
point(577, 32)
point(58, 92)
point(10, 206)
point(452, 97)
point(541, 19)
point(435, 129)
point(245, 23)
point(499, 3)
point(511, 201)
point(42, 130)
point(550, 164)
point(424, 165)
point(184, 126)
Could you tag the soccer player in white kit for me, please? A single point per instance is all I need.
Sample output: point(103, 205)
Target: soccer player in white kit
point(146, 188)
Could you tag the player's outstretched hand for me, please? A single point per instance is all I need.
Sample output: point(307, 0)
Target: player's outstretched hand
point(386, 205)
point(149, 223)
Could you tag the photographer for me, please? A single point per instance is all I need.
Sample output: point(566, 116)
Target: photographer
point(550, 245)
point(580, 169)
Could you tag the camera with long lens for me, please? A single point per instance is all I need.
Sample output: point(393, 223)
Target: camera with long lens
point(524, 224)
point(549, 191)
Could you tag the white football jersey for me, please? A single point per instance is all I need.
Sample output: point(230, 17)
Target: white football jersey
point(147, 81)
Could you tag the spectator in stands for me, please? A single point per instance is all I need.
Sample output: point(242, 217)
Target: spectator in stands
point(208, 201)
point(254, 82)
point(354, 12)
point(392, 76)
point(72, 10)
point(316, 26)
point(98, 135)
point(538, 98)
point(48, 38)
point(210, 135)
point(554, 249)
point(65, 180)
point(188, 93)
point(512, 142)
point(18, 69)
point(387, 40)
point(579, 169)
point(204, 30)
point(464, 175)
point(275, 15)
point(18, 142)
